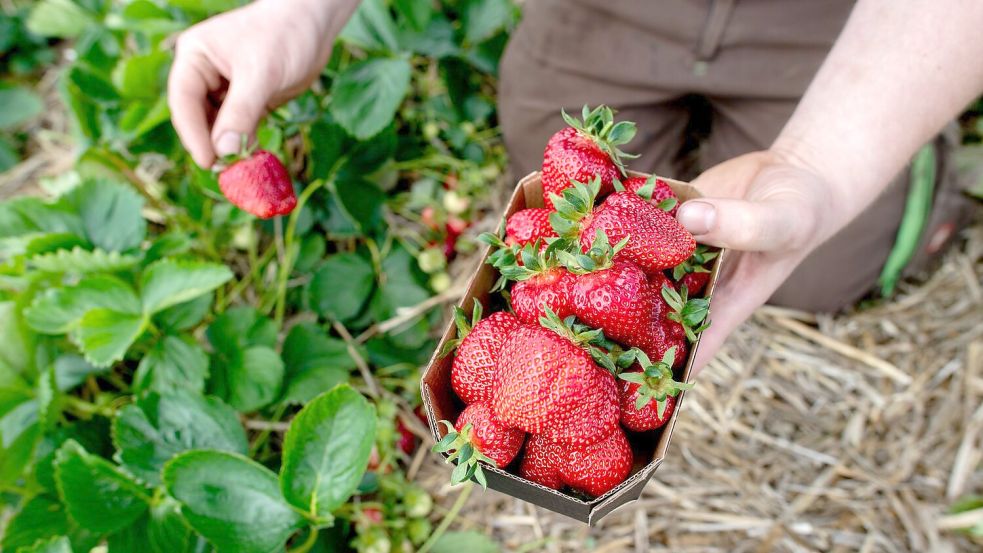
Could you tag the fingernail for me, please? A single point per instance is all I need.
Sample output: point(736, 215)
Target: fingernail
point(227, 144)
point(698, 217)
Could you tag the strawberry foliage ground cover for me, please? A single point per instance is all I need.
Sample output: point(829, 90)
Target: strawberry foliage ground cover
point(176, 375)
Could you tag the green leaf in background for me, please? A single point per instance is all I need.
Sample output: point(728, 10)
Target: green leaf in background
point(59, 544)
point(58, 18)
point(172, 364)
point(104, 335)
point(184, 315)
point(483, 18)
point(98, 496)
point(365, 96)
point(142, 76)
point(314, 363)
point(234, 502)
point(472, 542)
point(48, 398)
point(400, 285)
point(9, 156)
point(40, 517)
point(72, 370)
point(167, 282)
point(161, 530)
point(206, 7)
point(341, 286)
point(362, 201)
point(326, 451)
point(58, 310)
point(18, 105)
point(17, 341)
point(159, 426)
point(250, 380)
point(79, 261)
point(372, 27)
point(417, 12)
point(110, 214)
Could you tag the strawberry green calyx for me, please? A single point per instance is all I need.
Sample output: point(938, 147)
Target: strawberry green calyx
point(599, 126)
point(697, 263)
point(575, 205)
point(246, 151)
point(598, 257)
point(691, 313)
point(463, 325)
point(655, 381)
point(461, 448)
point(604, 352)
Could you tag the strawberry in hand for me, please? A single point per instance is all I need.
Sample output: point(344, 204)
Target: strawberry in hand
point(258, 183)
point(584, 150)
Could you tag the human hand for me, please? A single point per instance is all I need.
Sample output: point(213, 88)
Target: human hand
point(231, 69)
point(769, 211)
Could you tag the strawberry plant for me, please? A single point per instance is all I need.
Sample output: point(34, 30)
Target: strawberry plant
point(180, 375)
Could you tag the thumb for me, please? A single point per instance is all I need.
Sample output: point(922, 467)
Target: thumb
point(243, 107)
point(768, 225)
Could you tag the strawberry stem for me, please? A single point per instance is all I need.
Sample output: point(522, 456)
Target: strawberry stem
point(599, 126)
point(655, 382)
point(690, 313)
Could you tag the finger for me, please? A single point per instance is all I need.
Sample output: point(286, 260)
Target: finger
point(241, 111)
point(187, 97)
point(758, 226)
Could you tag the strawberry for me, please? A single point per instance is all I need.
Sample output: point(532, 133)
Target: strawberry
point(597, 468)
point(648, 392)
point(473, 369)
point(694, 273)
point(547, 383)
point(529, 225)
point(655, 190)
point(676, 320)
point(584, 150)
point(613, 296)
point(657, 241)
point(259, 184)
point(478, 435)
point(659, 279)
point(405, 439)
point(540, 462)
point(541, 281)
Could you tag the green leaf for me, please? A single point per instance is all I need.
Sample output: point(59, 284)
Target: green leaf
point(161, 530)
point(326, 451)
point(141, 76)
point(58, 18)
point(111, 214)
point(17, 455)
point(98, 496)
point(58, 544)
point(205, 7)
point(240, 327)
point(314, 363)
point(361, 201)
point(172, 364)
point(483, 18)
point(372, 27)
point(417, 12)
point(59, 310)
point(365, 96)
point(79, 260)
point(104, 335)
point(72, 370)
point(17, 106)
point(17, 340)
point(472, 542)
point(400, 284)
point(234, 502)
point(159, 426)
point(250, 380)
point(168, 282)
point(40, 517)
point(341, 286)
point(184, 315)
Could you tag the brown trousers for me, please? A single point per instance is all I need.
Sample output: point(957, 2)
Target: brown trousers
point(747, 62)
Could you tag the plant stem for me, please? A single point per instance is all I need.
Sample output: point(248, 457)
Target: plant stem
point(446, 522)
point(84, 409)
point(265, 434)
point(308, 543)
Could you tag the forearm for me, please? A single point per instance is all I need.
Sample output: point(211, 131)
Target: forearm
point(328, 16)
point(897, 74)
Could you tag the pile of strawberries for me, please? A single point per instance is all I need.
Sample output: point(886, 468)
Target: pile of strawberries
point(601, 316)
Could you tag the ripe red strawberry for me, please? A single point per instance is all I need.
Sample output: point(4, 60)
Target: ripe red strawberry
point(528, 225)
point(657, 241)
point(541, 281)
point(584, 150)
point(597, 468)
point(473, 369)
point(547, 383)
point(648, 392)
point(478, 435)
point(676, 320)
point(405, 439)
point(655, 190)
point(613, 296)
point(540, 462)
point(259, 185)
point(694, 273)
point(659, 279)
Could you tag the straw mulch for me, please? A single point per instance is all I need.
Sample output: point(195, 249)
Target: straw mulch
point(846, 433)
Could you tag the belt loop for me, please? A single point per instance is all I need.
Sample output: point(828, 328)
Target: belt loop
point(713, 31)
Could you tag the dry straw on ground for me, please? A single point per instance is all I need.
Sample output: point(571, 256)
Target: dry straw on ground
point(846, 433)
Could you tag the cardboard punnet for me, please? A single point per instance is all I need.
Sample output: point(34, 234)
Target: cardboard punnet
point(440, 402)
